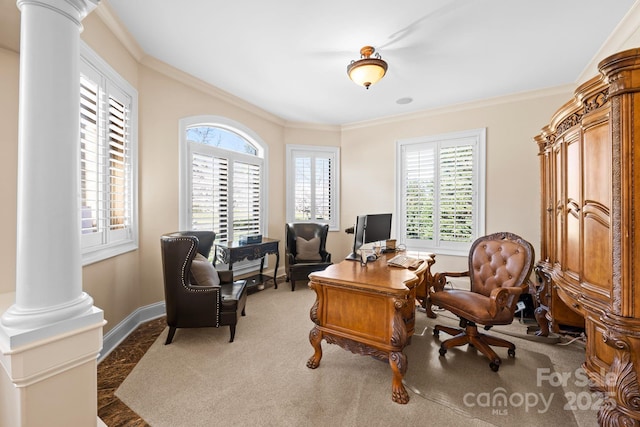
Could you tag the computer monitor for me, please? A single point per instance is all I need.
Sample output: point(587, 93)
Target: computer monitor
point(358, 237)
point(369, 228)
point(377, 228)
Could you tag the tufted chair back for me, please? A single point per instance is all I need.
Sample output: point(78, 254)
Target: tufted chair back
point(499, 260)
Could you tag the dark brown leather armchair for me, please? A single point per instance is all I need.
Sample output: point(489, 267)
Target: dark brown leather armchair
point(499, 268)
point(188, 304)
point(302, 261)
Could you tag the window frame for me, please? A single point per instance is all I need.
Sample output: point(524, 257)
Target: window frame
point(477, 137)
point(184, 160)
point(313, 151)
point(112, 242)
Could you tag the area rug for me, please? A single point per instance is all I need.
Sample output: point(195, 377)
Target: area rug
point(463, 380)
point(262, 379)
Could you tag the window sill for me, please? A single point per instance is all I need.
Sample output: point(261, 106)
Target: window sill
point(106, 252)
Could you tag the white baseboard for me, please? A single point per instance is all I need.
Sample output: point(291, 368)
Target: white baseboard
point(116, 335)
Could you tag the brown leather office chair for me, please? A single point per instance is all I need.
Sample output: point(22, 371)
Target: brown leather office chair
point(195, 298)
point(305, 250)
point(499, 268)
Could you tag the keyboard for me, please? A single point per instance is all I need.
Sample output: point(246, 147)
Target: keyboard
point(404, 261)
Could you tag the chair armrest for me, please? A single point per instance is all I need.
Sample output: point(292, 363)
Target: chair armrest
point(226, 276)
point(201, 289)
point(501, 298)
point(440, 279)
point(289, 260)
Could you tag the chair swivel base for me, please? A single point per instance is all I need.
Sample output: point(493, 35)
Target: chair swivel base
point(471, 336)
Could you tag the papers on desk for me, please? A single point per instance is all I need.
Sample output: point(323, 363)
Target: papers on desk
point(404, 261)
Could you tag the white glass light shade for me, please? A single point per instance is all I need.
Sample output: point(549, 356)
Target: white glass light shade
point(367, 71)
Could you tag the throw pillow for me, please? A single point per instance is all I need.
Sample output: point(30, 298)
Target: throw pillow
point(308, 250)
point(203, 272)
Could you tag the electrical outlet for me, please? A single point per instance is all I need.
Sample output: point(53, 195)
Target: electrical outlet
point(520, 306)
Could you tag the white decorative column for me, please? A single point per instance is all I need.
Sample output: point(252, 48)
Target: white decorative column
point(51, 336)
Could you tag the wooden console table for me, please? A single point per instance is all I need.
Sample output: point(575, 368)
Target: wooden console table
point(368, 310)
point(232, 251)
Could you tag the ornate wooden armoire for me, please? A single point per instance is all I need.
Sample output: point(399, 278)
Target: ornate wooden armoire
point(590, 243)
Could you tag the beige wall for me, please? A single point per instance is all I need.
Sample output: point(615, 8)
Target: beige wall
point(123, 284)
point(9, 72)
point(512, 179)
point(321, 136)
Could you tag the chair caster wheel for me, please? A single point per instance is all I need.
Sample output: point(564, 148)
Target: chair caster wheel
point(436, 333)
point(511, 353)
point(442, 351)
point(494, 366)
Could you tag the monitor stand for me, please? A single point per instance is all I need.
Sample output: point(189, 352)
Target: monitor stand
point(353, 257)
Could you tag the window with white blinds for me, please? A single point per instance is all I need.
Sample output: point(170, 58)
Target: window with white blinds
point(108, 162)
point(312, 184)
point(441, 191)
point(223, 179)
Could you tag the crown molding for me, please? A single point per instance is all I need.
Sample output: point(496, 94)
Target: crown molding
point(207, 88)
point(456, 108)
point(110, 19)
point(616, 42)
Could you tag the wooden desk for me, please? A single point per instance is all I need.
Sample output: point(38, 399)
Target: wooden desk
point(366, 310)
point(232, 251)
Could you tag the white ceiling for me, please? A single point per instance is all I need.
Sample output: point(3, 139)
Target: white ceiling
point(289, 57)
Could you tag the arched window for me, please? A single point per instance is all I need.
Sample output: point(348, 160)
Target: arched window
point(222, 178)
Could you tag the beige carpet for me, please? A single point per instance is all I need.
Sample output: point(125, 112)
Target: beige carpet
point(261, 379)
point(463, 380)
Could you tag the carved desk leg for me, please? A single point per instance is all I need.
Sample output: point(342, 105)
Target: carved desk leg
point(315, 337)
point(398, 363)
point(397, 359)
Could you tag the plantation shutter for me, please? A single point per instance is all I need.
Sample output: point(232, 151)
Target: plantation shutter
point(419, 185)
point(323, 175)
point(302, 191)
point(313, 190)
point(119, 168)
point(210, 195)
point(246, 199)
point(440, 178)
point(456, 194)
point(89, 158)
point(105, 162)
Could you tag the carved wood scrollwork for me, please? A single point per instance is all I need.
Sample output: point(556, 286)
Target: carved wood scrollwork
point(399, 335)
point(313, 312)
point(569, 122)
point(543, 298)
point(596, 101)
point(622, 394)
point(588, 105)
point(356, 347)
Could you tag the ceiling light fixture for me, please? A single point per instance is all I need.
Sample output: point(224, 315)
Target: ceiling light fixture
point(367, 70)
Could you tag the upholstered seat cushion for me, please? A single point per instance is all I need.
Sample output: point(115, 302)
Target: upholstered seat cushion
point(471, 306)
point(308, 250)
point(203, 272)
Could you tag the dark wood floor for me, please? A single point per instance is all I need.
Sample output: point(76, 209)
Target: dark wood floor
point(115, 368)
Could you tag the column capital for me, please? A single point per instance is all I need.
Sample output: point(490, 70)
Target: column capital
point(75, 10)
